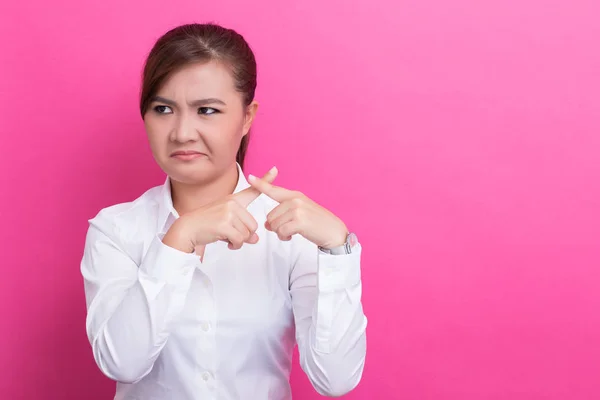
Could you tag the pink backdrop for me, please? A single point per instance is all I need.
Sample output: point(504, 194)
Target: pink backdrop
point(459, 139)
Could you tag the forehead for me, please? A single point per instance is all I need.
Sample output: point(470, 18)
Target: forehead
point(210, 79)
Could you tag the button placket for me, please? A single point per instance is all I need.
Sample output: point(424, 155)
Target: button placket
point(206, 357)
point(209, 380)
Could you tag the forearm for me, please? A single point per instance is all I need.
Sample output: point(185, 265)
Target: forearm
point(128, 323)
point(334, 355)
point(333, 344)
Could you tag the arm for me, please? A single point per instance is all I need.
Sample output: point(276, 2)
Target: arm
point(325, 290)
point(131, 308)
point(330, 323)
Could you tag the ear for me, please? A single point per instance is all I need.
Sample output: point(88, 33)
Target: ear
point(249, 116)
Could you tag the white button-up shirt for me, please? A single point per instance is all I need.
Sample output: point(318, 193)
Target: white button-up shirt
point(167, 326)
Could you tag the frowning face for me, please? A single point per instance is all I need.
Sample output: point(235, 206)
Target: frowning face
point(196, 122)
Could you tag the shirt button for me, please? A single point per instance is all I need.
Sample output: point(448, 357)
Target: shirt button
point(205, 376)
point(205, 326)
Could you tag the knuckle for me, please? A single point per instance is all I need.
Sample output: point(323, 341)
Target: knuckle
point(285, 229)
point(284, 237)
point(253, 225)
point(298, 213)
point(239, 239)
point(223, 225)
point(231, 214)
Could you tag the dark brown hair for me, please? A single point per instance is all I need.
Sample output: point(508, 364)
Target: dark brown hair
point(193, 43)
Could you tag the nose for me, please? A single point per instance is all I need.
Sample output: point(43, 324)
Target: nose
point(184, 130)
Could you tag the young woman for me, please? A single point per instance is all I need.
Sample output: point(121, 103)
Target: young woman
point(200, 288)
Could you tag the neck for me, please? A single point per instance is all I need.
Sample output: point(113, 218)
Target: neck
point(187, 198)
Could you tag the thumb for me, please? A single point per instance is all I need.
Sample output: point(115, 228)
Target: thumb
point(247, 196)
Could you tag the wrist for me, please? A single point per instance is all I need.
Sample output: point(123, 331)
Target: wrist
point(177, 237)
point(346, 248)
point(338, 240)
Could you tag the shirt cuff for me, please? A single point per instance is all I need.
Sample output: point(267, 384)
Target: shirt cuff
point(167, 264)
point(338, 272)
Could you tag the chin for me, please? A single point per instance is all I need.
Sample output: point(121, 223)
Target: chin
point(195, 178)
point(190, 174)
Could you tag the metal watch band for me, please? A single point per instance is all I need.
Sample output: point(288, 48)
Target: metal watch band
point(346, 248)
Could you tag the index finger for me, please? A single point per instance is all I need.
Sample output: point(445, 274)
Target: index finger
point(277, 193)
point(247, 196)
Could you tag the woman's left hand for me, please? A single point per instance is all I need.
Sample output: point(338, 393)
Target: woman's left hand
point(297, 214)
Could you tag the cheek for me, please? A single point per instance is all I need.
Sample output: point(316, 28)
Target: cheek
point(228, 134)
point(155, 132)
point(155, 125)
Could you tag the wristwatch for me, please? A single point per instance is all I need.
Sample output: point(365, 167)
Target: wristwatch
point(346, 248)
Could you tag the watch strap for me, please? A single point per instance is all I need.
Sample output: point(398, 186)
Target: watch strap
point(344, 249)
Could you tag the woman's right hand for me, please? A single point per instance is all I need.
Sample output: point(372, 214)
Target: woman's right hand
point(227, 220)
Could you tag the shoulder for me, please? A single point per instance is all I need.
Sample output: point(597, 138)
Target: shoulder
point(128, 219)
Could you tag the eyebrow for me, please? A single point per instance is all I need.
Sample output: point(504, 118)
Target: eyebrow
point(195, 103)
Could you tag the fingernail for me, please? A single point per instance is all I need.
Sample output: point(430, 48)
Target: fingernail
point(251, 178)
point(273, 170)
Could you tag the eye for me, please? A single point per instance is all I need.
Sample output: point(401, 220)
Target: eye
point(207, 111)
point(163, 110)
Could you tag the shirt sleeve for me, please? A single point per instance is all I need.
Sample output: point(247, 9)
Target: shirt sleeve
point(330, 323)
point(131, 308)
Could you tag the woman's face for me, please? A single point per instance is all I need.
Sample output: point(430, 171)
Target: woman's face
point(196, 122)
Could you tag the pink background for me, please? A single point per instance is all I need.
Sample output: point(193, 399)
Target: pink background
point(459, 139)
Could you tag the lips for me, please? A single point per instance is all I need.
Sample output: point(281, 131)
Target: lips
point(187, 155)
point(185, 152)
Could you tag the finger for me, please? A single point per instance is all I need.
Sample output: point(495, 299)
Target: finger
point(287, 230)
point(275, 192)
point(278, 211)
point(246, 218)
point(247, 196)
point(242, 229)
point(247, 228)
point(253, 239)
point(233, 236)
point(276, 223)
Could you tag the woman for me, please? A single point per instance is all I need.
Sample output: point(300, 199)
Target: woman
point(201, 287)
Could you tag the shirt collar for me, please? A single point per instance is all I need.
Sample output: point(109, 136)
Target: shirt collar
point(166, 209)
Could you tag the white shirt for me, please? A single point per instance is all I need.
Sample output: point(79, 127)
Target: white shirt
point(168, 326)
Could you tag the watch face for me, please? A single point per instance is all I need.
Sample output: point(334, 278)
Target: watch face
point(352, 240)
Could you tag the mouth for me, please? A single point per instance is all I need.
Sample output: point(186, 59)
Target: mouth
point(187, 155)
